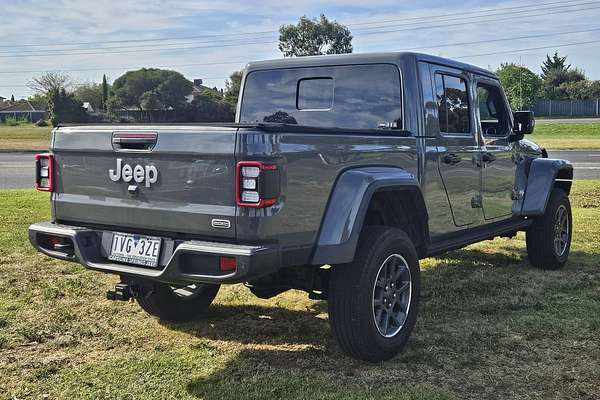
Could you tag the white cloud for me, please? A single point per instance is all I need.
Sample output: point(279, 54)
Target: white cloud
point(68, 21)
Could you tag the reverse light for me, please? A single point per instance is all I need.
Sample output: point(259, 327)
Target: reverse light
point(257, 184)
point(44, 172)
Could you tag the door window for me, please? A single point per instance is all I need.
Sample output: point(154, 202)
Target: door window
point(453, 104)
point(493, 113)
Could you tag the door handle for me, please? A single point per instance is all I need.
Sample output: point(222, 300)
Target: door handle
point(488, 157)
point(452, 159)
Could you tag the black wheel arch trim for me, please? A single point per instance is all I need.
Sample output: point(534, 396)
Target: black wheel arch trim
point(542, 178)
point(347, 207)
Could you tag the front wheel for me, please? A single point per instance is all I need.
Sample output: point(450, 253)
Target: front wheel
point(549, 238)
point(373, 301)
point(175, 303)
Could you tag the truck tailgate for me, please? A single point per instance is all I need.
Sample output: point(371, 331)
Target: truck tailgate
point(148, 178)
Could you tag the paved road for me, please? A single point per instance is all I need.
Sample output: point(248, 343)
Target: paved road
point(16, 169)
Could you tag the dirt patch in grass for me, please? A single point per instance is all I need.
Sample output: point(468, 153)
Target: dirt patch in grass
point(490, 326)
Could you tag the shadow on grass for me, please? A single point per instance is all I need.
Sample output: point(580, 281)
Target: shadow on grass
point(287, 353)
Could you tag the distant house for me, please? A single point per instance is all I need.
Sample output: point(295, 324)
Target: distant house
point(2, 98)
point(23, 109)
point(198, 89)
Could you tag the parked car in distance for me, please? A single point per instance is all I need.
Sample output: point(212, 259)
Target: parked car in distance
point(339, 175)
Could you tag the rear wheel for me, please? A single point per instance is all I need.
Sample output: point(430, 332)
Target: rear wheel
point(175, 303)
point(549, 238)
point(373, 301)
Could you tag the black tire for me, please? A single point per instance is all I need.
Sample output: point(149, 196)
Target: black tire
point(163, 301)
point(541, 244)
point(352, 293)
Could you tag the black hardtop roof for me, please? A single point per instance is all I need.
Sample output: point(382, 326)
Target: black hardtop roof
point(362, 58)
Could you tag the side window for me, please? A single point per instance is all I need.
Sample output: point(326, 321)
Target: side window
point(453, 104)
point(493, 114)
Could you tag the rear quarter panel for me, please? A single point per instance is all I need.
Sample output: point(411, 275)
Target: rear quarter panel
point(310, 165)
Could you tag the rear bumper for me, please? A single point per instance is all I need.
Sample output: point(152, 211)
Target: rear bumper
point(180, 261)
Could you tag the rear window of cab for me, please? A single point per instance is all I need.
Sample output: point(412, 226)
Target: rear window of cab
point(349, 97)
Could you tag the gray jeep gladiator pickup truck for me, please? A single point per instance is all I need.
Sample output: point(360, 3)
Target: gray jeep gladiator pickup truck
point(339, 174)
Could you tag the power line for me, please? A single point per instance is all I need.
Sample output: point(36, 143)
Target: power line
point(499, 40)
point(577, 3)
point(529, 49)
point(243, 61)
point(484, 16)
point(270, 42)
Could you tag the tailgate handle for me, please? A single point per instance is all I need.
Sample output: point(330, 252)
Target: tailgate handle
point(134, 140)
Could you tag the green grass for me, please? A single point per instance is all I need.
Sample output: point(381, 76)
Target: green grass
point(25, 137)
point(555, 136)
point(565, 136)
point(490, 326)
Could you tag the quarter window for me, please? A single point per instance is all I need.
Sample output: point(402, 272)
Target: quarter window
point(453, 104)
point(493, 113)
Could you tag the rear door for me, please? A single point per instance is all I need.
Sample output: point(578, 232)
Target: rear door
point(498, 153)
point(155, 178)
point(459, 147)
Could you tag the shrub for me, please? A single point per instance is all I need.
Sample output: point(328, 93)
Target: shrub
point(41, 122)
point(15, 121)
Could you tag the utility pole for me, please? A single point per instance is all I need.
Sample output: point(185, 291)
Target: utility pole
point(520, 85)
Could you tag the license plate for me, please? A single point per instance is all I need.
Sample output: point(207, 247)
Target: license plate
point(135, 249)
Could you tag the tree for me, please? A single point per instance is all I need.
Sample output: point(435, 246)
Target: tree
point(104, 94)
point(64, 107)
point(314, 37)
point(90, 92)
point(523, 88)
point(554, 64)
point(170, 88)
point(209, 106)
point(48, 82)
point(232, 88)
point(12, 98)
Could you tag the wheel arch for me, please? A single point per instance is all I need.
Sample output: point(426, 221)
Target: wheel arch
point(356, 194)
point(544, 175)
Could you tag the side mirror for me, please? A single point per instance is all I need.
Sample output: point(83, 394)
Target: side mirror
point(524, 122)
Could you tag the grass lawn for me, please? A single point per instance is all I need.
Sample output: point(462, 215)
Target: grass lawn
point(566, 136)
point(24, 137)
point(490, 327)
point(555, 136)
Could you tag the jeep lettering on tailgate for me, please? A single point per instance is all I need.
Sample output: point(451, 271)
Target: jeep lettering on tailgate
point(138, 173)
point(323, 184)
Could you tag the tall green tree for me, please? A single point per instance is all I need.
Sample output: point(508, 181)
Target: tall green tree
point(523, 87)
point(168, 88)
point(554, 64)
point(310, 37)
point(560, 79)
point(232, 88)
point(64, 107)
point(104, 93)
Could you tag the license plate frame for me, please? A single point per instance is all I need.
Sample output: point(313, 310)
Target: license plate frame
point(135, 249)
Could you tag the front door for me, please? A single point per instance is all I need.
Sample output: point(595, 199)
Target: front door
point(497, 153)
point(459, 148)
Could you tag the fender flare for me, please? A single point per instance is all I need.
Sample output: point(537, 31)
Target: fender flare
point(347, 207)
point(541, 179)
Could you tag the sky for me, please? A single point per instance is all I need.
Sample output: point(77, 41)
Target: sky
point(211, 39)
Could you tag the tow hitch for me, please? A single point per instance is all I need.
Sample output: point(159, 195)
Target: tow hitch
point(121, 292)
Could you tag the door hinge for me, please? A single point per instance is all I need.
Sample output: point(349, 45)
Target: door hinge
point(476, 201)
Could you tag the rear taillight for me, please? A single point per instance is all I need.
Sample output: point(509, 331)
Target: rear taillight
point(44, 172)
point(257, 184)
